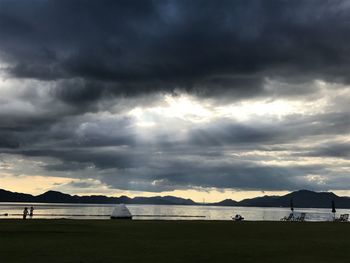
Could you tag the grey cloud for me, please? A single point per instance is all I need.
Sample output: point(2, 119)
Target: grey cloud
point(290, 129)
point(134, 48)
point(234, 133)
point(81, 184)
point(183, 174)
point(102, 159)
point(337, 149)
point(74, 62)
point(8, 141)
point(64, 166)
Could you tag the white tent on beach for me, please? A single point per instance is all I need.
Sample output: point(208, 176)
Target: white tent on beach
point(121, 212)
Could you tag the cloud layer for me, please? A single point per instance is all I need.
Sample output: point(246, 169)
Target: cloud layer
point(164, 95)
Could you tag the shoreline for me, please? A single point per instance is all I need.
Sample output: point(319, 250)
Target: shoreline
point(170, 220)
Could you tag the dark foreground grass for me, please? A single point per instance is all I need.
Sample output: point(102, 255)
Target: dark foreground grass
point(76, 241)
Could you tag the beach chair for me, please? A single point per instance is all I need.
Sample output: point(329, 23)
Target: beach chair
point(288, 218)
point(342, 218)
point(339, 219)
point(301, 218)
point(237, 218)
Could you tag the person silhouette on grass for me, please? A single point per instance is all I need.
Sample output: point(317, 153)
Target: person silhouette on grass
point(25, 213)
point(31, 212)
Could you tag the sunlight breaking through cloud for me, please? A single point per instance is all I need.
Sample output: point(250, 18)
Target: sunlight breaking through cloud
point(169, 99)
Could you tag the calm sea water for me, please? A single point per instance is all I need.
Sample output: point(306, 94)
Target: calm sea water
point(163, 212)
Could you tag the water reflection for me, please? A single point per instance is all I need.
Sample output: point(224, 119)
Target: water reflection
point(162, 212)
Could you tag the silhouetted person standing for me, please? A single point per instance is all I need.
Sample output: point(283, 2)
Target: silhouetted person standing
point(31, 211)
point(25, 213)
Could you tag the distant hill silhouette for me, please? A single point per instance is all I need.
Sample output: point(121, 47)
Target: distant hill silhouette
point(7, 196)
point(58, 197)
point(302, 198)
point(226, 202)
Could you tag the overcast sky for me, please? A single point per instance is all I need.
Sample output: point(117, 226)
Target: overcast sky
point(199, 99)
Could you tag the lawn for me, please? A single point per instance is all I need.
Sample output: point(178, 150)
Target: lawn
point(105, 241)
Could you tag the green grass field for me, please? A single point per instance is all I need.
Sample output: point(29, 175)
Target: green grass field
point(76, 241)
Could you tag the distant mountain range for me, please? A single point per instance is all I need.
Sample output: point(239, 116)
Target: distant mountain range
point(301, 199)
point(58, 197)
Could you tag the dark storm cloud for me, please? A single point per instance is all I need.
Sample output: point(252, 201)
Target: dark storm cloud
point(292, 128)
point(73, 63)
point(133, 47)
point(103, 159)
point(79, 132)
point(172, 165)
point(228, 133)
point(79, 91)
point(184, 174)
point(8, 141)
point(337, 149)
